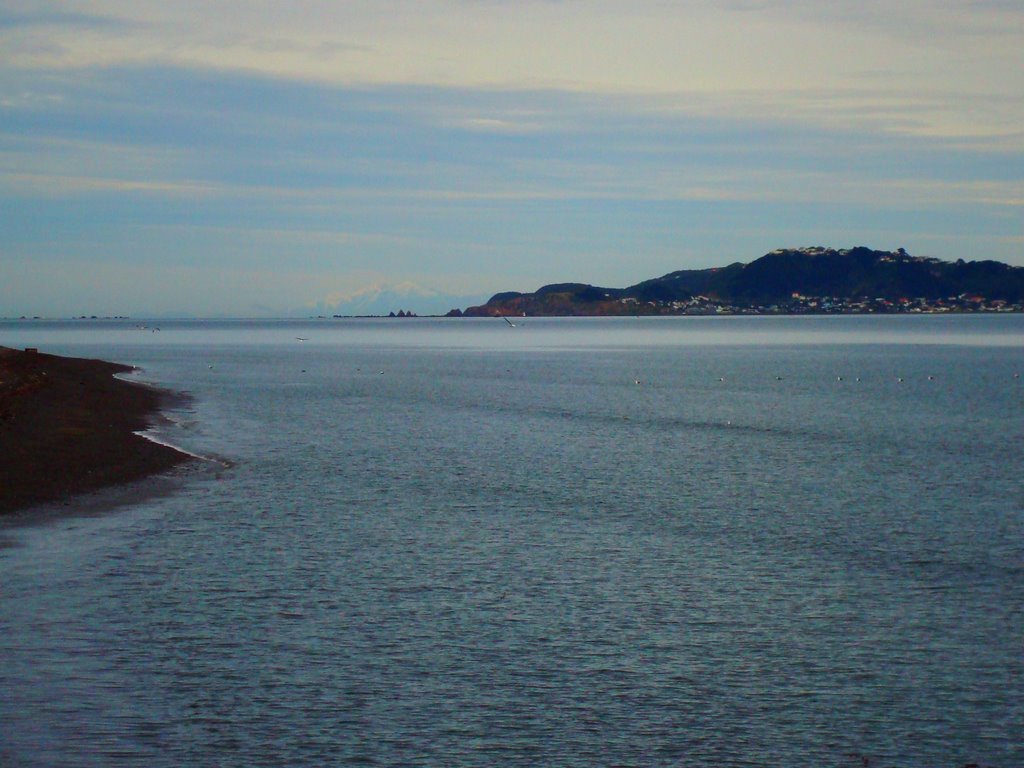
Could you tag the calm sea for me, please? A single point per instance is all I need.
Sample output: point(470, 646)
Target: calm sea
point(795, 542)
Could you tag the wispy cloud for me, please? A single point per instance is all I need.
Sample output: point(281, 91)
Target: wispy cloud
point(54, 17)
point(69, 186)
point(938, 50)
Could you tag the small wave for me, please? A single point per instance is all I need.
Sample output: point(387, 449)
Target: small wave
point(148, 435)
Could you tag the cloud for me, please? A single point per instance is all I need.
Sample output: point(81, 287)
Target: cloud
point(41, 17)
point(290, 152)
point(498, 125)
point(937, 50)
point(66, 186)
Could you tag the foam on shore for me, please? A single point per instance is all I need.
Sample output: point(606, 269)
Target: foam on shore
point(148, 434)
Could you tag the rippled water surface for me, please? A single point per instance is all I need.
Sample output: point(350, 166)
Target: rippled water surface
point(696, 541)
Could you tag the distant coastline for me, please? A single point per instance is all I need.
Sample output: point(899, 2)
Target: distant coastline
point(68, 427)
point(786, 282)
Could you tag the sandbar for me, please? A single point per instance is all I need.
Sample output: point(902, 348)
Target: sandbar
point(67, 427)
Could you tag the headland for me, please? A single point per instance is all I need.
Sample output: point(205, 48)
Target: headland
point(787, 281)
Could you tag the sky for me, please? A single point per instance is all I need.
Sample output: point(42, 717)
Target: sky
point(262, 158)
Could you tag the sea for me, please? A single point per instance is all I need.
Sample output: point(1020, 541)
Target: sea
point(691, 541)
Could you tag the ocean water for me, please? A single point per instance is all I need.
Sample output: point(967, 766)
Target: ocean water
point(575, 542)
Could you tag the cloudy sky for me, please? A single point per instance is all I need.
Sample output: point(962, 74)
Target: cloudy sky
point(257, 157)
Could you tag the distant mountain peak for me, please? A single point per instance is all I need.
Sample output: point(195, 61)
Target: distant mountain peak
point(376, 289)
point(383, 297)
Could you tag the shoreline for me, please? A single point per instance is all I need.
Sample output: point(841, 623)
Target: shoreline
point(68, 427)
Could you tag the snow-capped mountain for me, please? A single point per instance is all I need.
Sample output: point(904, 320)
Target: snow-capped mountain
point(383, 298)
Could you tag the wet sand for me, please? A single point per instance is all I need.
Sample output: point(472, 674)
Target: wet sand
point(67, 427)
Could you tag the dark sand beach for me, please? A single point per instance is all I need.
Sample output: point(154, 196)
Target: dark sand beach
point(67, 427)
